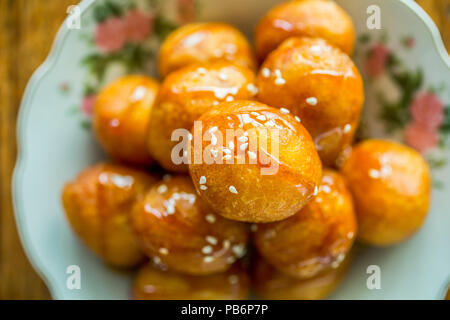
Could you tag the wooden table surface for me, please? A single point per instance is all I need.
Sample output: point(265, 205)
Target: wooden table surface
point(27, 31)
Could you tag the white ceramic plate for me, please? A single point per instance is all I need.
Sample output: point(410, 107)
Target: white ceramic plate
point(54, 144)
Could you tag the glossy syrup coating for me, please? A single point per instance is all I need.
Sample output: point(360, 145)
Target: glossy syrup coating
point(265, 165)
point(390, 184)
point(204, 42)
point(121, 117)
point(271, 284)
point(154, 283)
point(311, 18)
point(315, 239)
point(318, 83)
point(185, 95)
point(98, 205)
point(178, 230)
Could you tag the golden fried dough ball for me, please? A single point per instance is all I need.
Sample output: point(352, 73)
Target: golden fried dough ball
point(260, 164)
point(177, 229)
point(390, 184)
point(271, 284)
point(315, 239)
point(121, 117)
point(153, 283)
point(204, 42)
point(98, 204)
point(319, 84)
point(185, 95)
point(311, 18)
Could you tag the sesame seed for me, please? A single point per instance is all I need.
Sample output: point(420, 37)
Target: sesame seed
point(315, 49)
point(280, 81)
point(226, 244)
point(176, 196)
point(347, 128)
point(201, 70)
point(157, 260)
point(233, 279)
point(207, 249)
point(242, 139)
point(265, 72)
point(270, 123)
point(170, 208)
point(231, 260)
point(297, 119)
point(210, 218)
point(220, 94)
point(243, 146)
point(162, 188)
point(232, 189)
point(202, 180)
point(326, 189)
point(227, 157)
point(350, 235)
point(163, 251)
point(375, 174)
point(284, 111)
point(239, 250)
point(213, 129)
point(227, 151)
point(311, 101)
point(261, 117)
point(223, 76)
point(252, 88)
point(208, 259)
point(114, 123)
point(212, 240)
point(203, 187)
point(251, 154)
point(316, 190)
point(213, 139)
point(278, 73)
point(229, 98)
point(215, 103)
point(214, 152)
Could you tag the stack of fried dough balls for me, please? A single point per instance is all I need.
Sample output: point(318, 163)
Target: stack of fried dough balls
point(247, 156)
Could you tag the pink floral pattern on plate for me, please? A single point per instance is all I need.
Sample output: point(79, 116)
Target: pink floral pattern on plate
point(124, 40)
point(419, 114)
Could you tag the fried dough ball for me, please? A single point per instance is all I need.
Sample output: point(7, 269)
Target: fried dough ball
point(121, 117)
point(260, 165)
point(311, 18)
point(271, 284)
point(390, 184)
point(315, 239)
point(177, 229)
point(204, 42)
point(185, 95)
point(98, 205)
point(153, 283)
point(318, 83)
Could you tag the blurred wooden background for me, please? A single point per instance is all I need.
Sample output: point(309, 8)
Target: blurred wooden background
point(27, 31)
